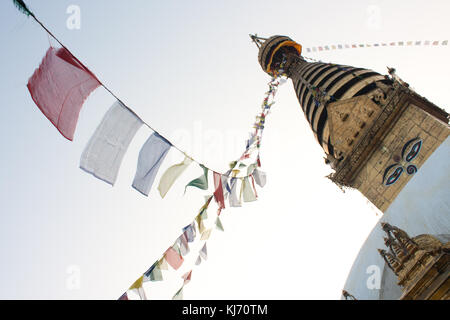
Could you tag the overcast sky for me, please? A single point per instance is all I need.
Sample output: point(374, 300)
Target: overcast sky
point(190, 70)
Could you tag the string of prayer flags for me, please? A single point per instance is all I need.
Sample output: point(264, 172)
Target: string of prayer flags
point(173, 258)
point(204, 252)
point(246, 191)
point(59, 88)
point(233, 199)
point(150, 159)
point(178, 295)
point(171, 174)
point(201, 182)
point(218, 193)
point(137, 286)
point(382, 44)
point(187, 277)
point(103, 154)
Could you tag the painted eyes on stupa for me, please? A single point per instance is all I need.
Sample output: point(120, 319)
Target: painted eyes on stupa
point(409, 152)
point(392, 174)
point(411, 149)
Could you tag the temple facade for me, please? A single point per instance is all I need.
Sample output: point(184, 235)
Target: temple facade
point(377, 135)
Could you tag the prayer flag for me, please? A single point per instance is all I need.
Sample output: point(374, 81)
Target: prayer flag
point(178, 295)
point(104, 153)
point(198, 261)
point(234, 201)
point(173, 258)
point(260, 177)
point(59, 87)
point(218, 193)
point(124, 296)
point(137, 286)
point(150, 159)
point(201, 182)
point(171, 174)
point(189, 232)
point(204, 252)
point(153, 273)
point(219, 224)
point(162, 264)
point(246, 191)
point(187, 277)
point(183, 244)
point(206, 234)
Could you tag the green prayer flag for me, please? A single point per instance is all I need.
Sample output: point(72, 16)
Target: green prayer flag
point(201, 182)
point(219, 224)
point(22, 7)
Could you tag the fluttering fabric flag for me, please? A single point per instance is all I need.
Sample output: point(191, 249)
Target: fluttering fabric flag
point(204, 252)
point(153, 273)
point(22, 7)
point(173, 258)
point(219, 224)
point(187, 277)
point(150, 159)
point(123, 297)
point(190, 232)
point(59, 87)
point(260, 177)
point(137, 286)
point(233, 199)
point(103, 154)
point(198, 261)
point(162, 264)
point(178, 295)
point(201, 182)
point(246, 191)
point(200, 224)
point(183, 244)
point(171, 174)
point(218, 193)
point(206, 234)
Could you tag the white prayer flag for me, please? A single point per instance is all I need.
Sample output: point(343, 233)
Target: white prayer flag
point(104, 153)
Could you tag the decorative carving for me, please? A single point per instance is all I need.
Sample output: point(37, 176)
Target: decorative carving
point(415, 261)
point(348, 296)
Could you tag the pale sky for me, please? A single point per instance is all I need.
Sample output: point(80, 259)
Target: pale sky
point(189, 69)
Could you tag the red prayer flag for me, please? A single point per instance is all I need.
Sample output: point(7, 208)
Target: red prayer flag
point(59, 87)
point(218, 193)
point(173, 258)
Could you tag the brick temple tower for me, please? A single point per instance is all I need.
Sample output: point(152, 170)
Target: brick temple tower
point(376, 132)
point(383, 139)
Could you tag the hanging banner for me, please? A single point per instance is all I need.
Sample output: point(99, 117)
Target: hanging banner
point(246, 191)
point(233, 199)
point(171, 174)
point(104, 153)
point(173, 258)
point(218, 193)
point(59, 88)
point(150, 159)
point(201, 182)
